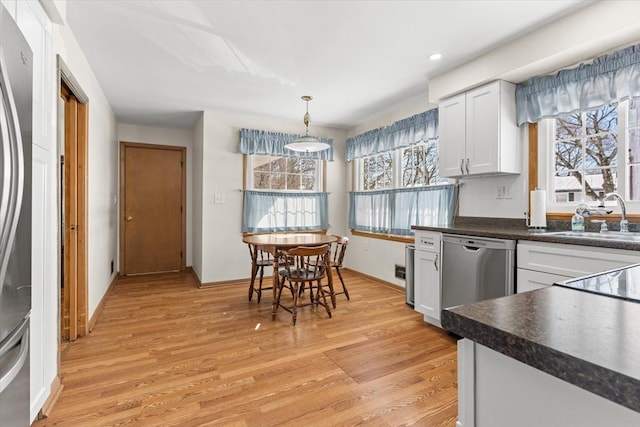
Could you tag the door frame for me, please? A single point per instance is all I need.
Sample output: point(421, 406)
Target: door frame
point(183, 150)
point(79, 295)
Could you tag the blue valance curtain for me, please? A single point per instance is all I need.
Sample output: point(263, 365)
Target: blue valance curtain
point(272, 143)
point(419, 128)
point(395, 211)
point(610, 78)
point(267, 211)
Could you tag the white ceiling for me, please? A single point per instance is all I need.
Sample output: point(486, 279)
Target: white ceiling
point(160, 62)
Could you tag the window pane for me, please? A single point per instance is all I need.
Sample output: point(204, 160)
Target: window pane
point(634, 112)
point(568, 126)
point(634, 182)
point(278, 181)
point(308, 182)
point(567, 184)
point(293, 182)
point(568, 156)
point(601, 120)
point(634, 146)
point(602, 151)
point(261, 181)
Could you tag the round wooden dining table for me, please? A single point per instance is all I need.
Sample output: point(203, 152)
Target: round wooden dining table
point(276, 242)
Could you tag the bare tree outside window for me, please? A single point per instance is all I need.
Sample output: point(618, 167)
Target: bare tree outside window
point(586, 154)
point(420, 165)
point(377, 171)
point(284, 173)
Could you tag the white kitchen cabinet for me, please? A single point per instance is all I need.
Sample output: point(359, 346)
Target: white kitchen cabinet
point(542, 264)
point(496, 390)
point(478, 132)
point(427, 265)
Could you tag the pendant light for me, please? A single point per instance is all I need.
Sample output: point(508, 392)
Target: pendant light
point(307, 143)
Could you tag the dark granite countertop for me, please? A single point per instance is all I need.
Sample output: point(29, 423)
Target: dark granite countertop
point(514, 229)
point(588, 340)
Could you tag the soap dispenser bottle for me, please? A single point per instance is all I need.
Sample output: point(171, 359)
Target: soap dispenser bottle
point(577, 222)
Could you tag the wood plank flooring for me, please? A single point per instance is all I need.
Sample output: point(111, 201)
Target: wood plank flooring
point(165, 353)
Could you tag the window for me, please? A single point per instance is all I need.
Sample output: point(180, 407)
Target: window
point(284, 173)
point(284, 194)
point(397, 191)
point(412, 166)
point(592, 153)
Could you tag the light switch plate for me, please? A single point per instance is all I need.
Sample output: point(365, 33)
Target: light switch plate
point(500, 192)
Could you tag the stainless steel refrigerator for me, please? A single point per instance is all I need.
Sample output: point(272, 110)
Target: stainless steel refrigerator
point(16, 80)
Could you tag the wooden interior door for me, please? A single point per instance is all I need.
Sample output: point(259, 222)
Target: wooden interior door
point(74, 295)
point(153, 215)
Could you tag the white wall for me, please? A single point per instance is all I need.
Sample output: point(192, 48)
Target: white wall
point(102, 169)
point(164, 136)
point(224, 256)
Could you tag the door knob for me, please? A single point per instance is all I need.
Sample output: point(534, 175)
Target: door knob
point(129, 218)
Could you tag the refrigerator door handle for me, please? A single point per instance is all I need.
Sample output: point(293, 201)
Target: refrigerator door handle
point(22, 335)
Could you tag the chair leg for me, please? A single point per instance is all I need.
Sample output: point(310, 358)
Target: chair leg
point(324, 299)
point(346, 292)
point(260, 286)
point(294, 310)
point(254, 271)
point(277, 301)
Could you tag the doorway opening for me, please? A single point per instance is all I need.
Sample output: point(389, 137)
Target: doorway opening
point(73, 214)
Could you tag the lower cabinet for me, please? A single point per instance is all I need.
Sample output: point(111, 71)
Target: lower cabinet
point(543, 264)
point(427, 276)
point(495, 390)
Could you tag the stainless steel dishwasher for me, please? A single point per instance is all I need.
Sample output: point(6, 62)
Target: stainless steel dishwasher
point(475, 269)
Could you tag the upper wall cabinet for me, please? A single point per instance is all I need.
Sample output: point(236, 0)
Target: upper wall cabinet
point(478, 132)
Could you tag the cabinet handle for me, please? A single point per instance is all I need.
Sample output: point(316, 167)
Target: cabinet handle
point(462, 166)
point(467, 166)
point(435, 262)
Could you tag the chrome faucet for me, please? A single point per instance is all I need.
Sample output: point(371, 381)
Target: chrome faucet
point(587, 211)
point(624, 224)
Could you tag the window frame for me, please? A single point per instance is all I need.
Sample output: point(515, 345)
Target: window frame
point(397, 169)
point(541, 160)
point(248, 184)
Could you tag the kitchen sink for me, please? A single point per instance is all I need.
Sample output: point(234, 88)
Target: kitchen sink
point(607, 235)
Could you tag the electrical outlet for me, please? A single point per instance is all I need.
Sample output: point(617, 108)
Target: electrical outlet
point(508, 192)
point(500, 192)
point(366, 245)
point(218, 199)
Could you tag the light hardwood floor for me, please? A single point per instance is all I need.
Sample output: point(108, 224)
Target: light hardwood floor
point(164, 352)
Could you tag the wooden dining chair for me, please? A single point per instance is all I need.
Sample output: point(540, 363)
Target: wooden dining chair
point(339, 249)
point(304, 266)
point(260, 259)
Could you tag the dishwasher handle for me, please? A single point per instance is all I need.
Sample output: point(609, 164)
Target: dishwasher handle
point(472, 248)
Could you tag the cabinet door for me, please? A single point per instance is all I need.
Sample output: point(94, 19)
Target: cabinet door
point(427, 284)
point(483, 129)
point(451, 127)
point(528, 280)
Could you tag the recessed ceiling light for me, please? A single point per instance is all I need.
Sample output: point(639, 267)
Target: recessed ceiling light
point(435, 56)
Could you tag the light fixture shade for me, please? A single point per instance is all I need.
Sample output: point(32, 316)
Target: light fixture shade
point(307, 143)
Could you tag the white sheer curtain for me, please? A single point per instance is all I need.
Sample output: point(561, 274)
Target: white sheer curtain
point(395, 211)
point(267, 211)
